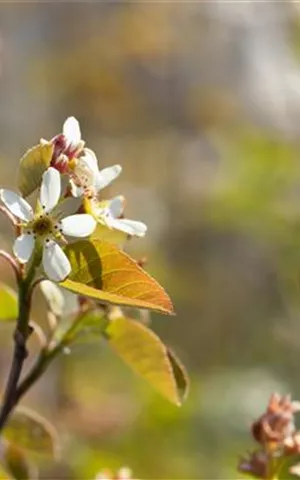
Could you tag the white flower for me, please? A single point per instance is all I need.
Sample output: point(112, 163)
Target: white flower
point(81, 164)
point(109, 214)
point(48, 225)
point(87, 178)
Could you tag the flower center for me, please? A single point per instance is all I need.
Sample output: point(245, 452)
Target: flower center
point(42, 226)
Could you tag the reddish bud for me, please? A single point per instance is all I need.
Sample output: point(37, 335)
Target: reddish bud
point(60, 145)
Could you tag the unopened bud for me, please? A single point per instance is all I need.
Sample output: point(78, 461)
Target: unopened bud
point(61, 163)
point(60, 145)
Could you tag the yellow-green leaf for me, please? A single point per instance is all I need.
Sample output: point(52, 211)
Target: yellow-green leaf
point(32, 166)
point(93, 322)
point(180, 375)
point(144, 352)
point(4, 474)
point(105, 234)
point(18, 465)
point(8, 303)
point(69, 329)
point(103, 272)
point(30, 431)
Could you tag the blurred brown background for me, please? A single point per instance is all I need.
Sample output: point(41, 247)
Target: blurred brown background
point(200, 103)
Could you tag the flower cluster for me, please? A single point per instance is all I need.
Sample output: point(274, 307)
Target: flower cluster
point(276, 433)
point(68, 208)
point(70, 156)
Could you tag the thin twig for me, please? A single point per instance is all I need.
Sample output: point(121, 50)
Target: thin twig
point(12, 219)
point(9, 215)
point(37, 282)
point(43, 361)
point(12, 263)
point(45, 358)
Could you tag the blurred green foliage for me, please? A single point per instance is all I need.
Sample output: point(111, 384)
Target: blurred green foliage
point(221, 196)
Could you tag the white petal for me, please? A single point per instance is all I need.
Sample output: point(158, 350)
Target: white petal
point(67, 207)
point(16, 205)
point(23, 247)
point(131, 227)
point(56, 264)
point(106, 176)
point(50, 189)
point(71, 130)
point(90, 160)
point(76, 191)
point(116, 206)
point(81, 225)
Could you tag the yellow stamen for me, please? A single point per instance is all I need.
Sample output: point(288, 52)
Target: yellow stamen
point(72, 163)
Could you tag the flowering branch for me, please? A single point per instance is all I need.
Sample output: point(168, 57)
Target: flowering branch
point(66, 207)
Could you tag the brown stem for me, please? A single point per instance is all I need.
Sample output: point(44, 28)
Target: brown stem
point(22, 332)
point(46, 357)
point(38, 369)
point(21, 335)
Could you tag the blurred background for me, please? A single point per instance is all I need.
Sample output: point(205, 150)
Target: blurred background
point(200, 104)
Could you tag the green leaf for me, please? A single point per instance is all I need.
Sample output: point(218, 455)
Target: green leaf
point(8, 303)
point(109, 235)
point(32, 166)
point(30, 431)
point(180, 375)
point(144, 352)
point(4, 474)
point(92, 322)
point(17, 463)
point(103, 272)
